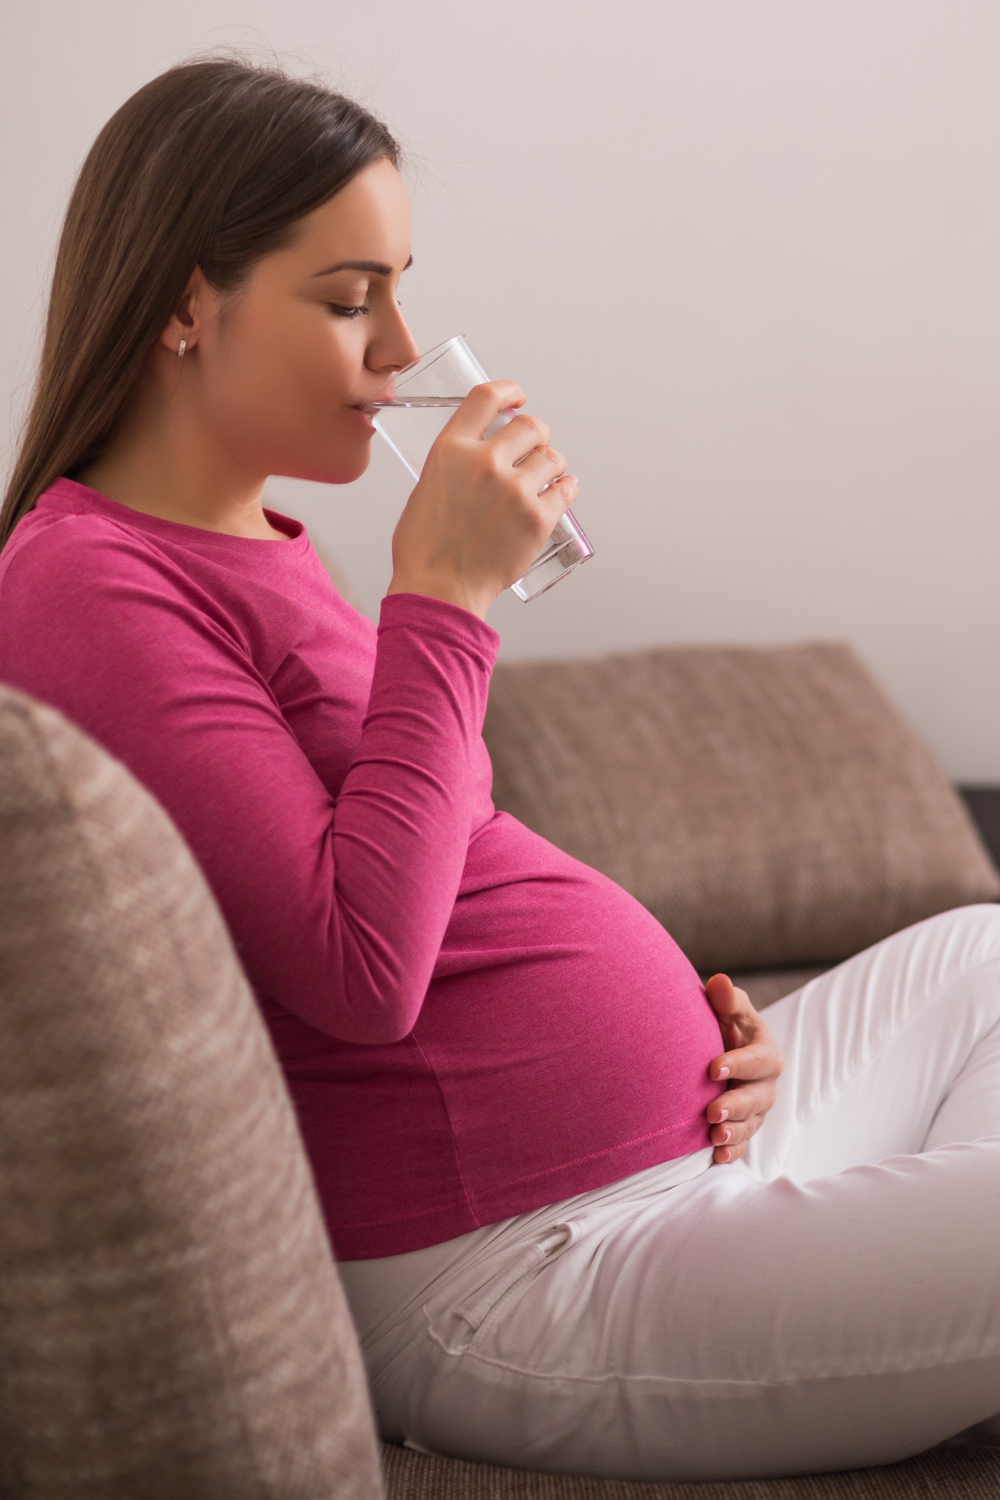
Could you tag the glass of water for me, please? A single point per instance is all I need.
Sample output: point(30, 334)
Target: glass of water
point(410, 410)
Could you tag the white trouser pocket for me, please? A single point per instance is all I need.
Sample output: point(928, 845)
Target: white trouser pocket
point(480, 1307)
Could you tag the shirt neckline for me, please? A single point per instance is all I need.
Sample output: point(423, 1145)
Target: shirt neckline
point(70, 496)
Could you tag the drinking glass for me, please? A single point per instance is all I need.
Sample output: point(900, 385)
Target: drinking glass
point(410, 410)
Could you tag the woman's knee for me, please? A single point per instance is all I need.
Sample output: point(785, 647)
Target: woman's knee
point(969, 936)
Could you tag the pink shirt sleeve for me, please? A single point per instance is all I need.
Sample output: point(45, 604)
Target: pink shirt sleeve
point(338, 908)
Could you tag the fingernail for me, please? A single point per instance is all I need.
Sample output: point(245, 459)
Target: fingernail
point(723, 1116)
point(727, 1137)
point(723, 1072)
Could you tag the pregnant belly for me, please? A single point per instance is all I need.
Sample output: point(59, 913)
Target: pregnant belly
point(564, 1043)
point(568, 1034)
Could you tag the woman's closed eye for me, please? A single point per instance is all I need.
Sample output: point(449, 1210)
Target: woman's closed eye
point(348, 312)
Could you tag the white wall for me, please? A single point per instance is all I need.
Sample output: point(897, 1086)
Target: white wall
point(743, 254)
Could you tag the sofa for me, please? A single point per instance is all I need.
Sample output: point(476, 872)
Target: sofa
point(172, 1323)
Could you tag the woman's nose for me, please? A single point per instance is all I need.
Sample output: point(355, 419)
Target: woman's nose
point(393, 351)
point(412, 348)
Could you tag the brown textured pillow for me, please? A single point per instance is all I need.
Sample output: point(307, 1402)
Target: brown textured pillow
point(768, 806)
point(171, 1320)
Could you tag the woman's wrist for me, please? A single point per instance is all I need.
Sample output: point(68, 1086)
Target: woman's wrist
point(476, 601)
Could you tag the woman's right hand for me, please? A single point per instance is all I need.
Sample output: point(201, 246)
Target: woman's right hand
point(476, 521)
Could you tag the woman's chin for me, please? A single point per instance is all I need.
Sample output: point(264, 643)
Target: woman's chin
point(342, 470)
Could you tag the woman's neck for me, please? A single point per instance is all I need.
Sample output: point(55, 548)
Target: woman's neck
point(164, 463)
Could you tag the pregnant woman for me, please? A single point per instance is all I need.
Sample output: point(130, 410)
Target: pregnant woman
point(566, 1241)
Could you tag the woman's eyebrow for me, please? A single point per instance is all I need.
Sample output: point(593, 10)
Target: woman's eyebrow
point(377, 267)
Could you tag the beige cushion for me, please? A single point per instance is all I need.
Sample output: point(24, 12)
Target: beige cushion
point(765, 986)
point(770, 807)
point(172, 1326)
point(955, 1473)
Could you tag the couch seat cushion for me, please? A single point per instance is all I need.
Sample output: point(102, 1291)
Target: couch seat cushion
point(941, 1474)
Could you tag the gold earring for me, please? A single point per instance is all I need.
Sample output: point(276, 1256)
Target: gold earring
point(181, 347)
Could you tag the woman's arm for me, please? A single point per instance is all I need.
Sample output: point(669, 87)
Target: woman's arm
point(338, 911)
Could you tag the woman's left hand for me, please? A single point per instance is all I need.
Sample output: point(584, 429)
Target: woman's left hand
point(751, 1067)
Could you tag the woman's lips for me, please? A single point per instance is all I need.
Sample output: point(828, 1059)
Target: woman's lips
point(364, 412)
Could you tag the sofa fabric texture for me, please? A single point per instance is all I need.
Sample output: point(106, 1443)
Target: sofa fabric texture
point(765, 986)
point(171, 1320)
point(770, 807)
point(942, 1474)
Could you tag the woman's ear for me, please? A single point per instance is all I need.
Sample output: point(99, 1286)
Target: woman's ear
point(181, 333)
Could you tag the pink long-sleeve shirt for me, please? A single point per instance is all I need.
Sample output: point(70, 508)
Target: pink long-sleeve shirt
point(472, 1023)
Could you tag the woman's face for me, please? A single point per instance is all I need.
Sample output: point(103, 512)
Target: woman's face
point(285, 364)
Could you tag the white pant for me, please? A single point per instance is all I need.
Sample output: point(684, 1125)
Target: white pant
point(830, 1301)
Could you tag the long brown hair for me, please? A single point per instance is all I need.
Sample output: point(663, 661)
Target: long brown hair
point(211, 164)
